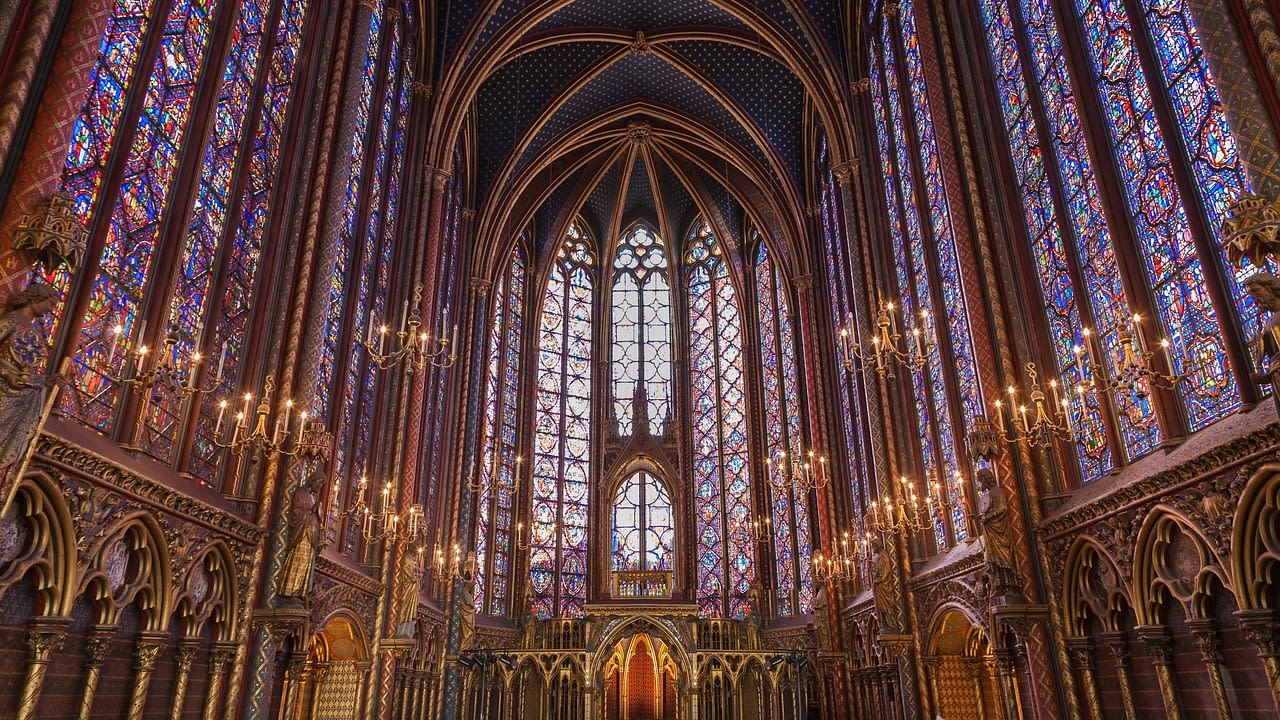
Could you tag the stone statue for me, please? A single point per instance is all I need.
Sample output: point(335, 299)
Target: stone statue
point(1264, 288)
point(753, 621)
point(529, 625)
point(821, 621)
point(886, 587)
point(404, 605)
point(304, 539)
point(23, 353)
point(997, 533)
point(468, 605)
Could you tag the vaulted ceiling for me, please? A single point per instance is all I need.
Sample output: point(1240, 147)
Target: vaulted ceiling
point(655, 109)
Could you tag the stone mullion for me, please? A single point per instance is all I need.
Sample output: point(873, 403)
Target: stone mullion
point(37, 173)
point(1117, 644)
point(1210, 647)
point(1158, 641)
point(1083, 660)
point(96, 647)
point(42, 639)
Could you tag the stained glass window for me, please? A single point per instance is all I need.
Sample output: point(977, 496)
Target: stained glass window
point(562, 439)
point(641, 329)
point(643, 535)
point(498, 449)
point(248, 227)
point(922, 239)
point(721, 474)
point(136, 211)
point(1176, 275)
point(789, 510)
point(839, 284)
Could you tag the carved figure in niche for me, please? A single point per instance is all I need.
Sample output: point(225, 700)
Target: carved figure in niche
point(1264, 288)
point(304, 539)
point(886, 587)
point(997, 533)
point(468, 603)
point(751, 624)
point(821, 622)
point(23, 352)
point(529, 624)
point(408, 584)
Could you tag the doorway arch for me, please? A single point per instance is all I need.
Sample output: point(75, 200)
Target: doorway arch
point(641, 679)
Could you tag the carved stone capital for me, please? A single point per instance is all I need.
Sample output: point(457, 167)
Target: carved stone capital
point(1158, 641)
point(480, 286)
point(96, 647)
point(891, 9)
point(845, 171)
point(1260, 627)
point(857, 87)
point(185, 655)
point(803, 283)
point(1118, 646)
point(420, 89)
point(439, 180)
point(1252, 229)
point(1081, 651)
point(144, 654)
point(42, 641)
point(1207, 640)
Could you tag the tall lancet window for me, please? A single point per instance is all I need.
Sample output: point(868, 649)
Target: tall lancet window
point(641, 329)
point(793, 580)
point(721, 475)
point(562, 440)
point(643, 529)
point(498, 441)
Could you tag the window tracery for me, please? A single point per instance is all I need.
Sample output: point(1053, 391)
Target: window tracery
point(641, 329)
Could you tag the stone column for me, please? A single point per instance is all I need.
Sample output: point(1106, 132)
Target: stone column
point(1158, 642)
point(1007, 672)
point(144, 654)
point(1082, 659)
point(1207, 642)
point(1260, 627)
point(977, 672)
point(1119, 647)
point(42, 639)
point(17, 89)
point(217, 675)
point(96, 647)
point(931, 665)
point(185, 655)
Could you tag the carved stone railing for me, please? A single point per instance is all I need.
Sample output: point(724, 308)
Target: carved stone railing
point(646, 584)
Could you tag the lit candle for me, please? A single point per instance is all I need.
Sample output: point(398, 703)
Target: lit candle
point(382, 339)
point(1053, 390)
point(999, 415)
point(1079, 352)
point(222, 410)
point(1168, 359)
point(1140, 341)
point(1066, 414)
point(116, 332)
point(1023, 410)
point(893, 321)
point(1088, 346)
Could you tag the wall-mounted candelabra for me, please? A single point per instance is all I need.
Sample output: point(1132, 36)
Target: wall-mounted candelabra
point(850, 558)
point(150, 370)
point(904, 511)
point(802, 473)
point(1137, 364)
point(761, 529)
point(253, 429)
point(413, 346)
point(883, 350)
point(451, 566)
point(487, 483)
point(387, 522)
point(1040, 418)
